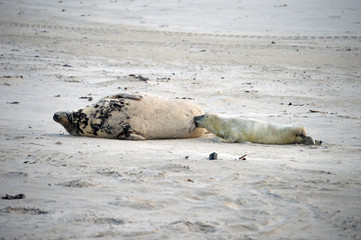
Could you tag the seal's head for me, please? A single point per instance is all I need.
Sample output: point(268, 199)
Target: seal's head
point(204, 120)
point(197, 120)
point(66, 120)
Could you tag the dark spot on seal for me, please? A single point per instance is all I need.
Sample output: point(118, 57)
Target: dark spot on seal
point(95, 128)
point(103, 111)
point(126, 131)
point(80, 120)
point(116, 105)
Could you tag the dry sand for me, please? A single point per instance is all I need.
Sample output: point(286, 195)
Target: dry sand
point(273, 61)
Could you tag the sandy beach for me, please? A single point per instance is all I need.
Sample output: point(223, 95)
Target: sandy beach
point(286, 62)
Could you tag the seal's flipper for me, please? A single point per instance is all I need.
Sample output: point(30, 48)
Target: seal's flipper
point(127, 96)
point(129, 134)
point(135, 137)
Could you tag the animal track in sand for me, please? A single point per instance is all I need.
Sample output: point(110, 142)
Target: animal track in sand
point(16, 175)
point(23, 210)
point(77, 184)
point(229, 41)
point(93, 219)
point(137, 203)
point(193, 226)
point(174, 33)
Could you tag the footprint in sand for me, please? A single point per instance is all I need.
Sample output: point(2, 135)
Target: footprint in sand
point(77, 184)
point(137, 203)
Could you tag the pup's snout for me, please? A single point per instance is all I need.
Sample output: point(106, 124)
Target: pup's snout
point(197, 119)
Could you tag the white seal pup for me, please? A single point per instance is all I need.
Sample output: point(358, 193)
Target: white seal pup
point(242, 129)
point(133, 117)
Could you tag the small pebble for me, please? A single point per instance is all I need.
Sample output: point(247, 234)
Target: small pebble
point(10, 197)
point(213, 156)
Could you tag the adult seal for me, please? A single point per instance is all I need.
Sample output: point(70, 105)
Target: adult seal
point(133, 117)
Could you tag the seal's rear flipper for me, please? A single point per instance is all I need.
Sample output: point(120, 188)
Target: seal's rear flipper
point(307, 140)
point(127, 96)
point(128, 134)
point(135, 137)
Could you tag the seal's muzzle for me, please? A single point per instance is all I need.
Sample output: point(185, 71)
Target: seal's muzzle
point(57, 117)
point(197, 119)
